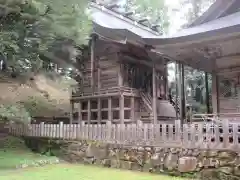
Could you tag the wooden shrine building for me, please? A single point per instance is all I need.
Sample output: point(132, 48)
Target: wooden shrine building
point(125, 79)
point(211, 44)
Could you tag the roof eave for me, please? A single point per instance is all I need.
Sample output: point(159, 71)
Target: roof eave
point(215, 11)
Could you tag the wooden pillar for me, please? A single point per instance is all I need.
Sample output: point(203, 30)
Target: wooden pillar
point(80, 112)
point(92, 44)
point(121, 110)
point(154, 102)
point(133, 109)
point(121, 99)
point(55, 67)
point(215, 93)
point(120, 76)
point(177, 89)
point(182, 92)
point(71, 112)
point(166, 90)
point(159, 87)
point(89, 112)
point(207, 94)
point(237, 87)
point(99, 78)
point(110, 109)
point(99, 116)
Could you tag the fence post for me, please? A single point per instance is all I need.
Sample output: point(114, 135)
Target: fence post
point(78, 128)
point(235, 135)
point(60, 129)
point(42, 130)
point(139, 131)
point(109, 130)
point(82, 130)
point(225, 126)
point(178, 130)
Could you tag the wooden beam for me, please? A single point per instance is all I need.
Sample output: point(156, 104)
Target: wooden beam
point(80, 112)
point(110, 109)
point(154, 104)
point(128, 13)
point(112, 6)
point(125, 57)
point(228, 70)
point(143, 20)
point(94, 96)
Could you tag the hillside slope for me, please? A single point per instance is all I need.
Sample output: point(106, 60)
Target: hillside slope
point(49, 97)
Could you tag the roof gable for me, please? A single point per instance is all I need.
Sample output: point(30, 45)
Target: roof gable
point(220, 8)
point(106, 16)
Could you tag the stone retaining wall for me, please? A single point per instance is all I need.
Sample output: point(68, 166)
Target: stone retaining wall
point(208, 165)
point(173, 161)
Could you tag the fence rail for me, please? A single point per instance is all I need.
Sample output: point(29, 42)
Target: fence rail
point(77, 91)
point(220, 136)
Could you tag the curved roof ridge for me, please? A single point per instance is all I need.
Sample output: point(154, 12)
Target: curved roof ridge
point(215, 11)
point(122, 17)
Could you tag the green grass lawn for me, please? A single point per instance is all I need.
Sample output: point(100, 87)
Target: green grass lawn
point(12, 159)
point(13, 153)
point(79, 172)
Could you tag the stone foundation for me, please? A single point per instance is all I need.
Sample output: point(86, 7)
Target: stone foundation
point(205, 164)
point(174, 161)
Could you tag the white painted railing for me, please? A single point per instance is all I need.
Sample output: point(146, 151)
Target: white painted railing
point(222, 135)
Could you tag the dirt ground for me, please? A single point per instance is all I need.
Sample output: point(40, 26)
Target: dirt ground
point(52, 91)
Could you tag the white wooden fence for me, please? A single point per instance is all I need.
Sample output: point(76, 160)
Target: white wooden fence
point(223, 135)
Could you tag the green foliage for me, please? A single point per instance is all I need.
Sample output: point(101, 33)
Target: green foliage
point(35, 105)
point(194, 79)
point(195, 88)
point(66, 19)
point(23, 111)
point(195, 8)
point(15, 154)
point(29, 28)
point(12, 144)
point(16, 113)
point(154, 10)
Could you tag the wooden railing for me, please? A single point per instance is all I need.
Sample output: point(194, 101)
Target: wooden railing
point(175, 103)
point(147, 99)
point(229, 105)
point(222, 135)
point(76, 91)
point(216, 118)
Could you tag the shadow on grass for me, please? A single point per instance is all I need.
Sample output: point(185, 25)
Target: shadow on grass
point(14, 154)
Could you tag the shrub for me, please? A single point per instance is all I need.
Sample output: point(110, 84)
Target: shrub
point(16, 113)
point(37, 105)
